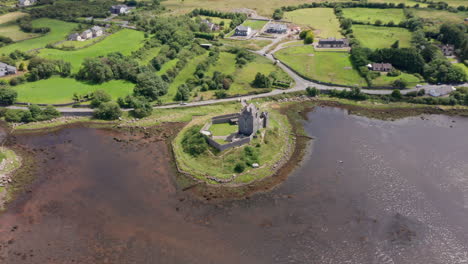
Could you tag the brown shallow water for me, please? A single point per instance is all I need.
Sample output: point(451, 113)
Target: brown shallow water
point(369, 192)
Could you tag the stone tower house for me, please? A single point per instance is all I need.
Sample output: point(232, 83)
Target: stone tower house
point(251, 120)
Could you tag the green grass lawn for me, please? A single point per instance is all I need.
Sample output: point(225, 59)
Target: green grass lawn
point(322, 20)
point(252, 44)
point(372, 14)
point(58, 90)
point(59, 31)
point(330, 67)
point(386, 81)
point(381, 37)
point(124, 41)
point(254, 24)
point(217, 20)
point(13, 31)
point(224, 129)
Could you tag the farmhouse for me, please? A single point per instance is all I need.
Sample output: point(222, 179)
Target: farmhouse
point(75, 37)
point(277, 28)
point(97, 31)
point(119, 9)
point(248, 121)
point(211, 26)
point(333, 43)
point(447, 49)
point(242, 31)
point(6, 69)
point(381, 67)
point(27, 2)
point(87, 34)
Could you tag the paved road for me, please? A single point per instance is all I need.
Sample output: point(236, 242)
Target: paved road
point(300, 85)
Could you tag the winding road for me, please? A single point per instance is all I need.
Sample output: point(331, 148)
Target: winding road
point(300, 85)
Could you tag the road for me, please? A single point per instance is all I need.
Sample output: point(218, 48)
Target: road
point(300, 85)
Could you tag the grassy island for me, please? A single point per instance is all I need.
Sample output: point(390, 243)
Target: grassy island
point(270, 148)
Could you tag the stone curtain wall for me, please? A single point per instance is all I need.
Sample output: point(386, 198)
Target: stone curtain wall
point(223, 147)
point(223, 118)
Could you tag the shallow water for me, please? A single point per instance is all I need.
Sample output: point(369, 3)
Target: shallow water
point(369, 192)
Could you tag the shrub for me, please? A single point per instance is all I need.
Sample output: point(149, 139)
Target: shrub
point(400, 83)
point(8, 96)
point(193, 142)
point(261, 81)
point(239, 168)
point(394, 73)
point(108, 111)
point(13, 115)
point(396, 94)
point(99, 97)
point(312, 91)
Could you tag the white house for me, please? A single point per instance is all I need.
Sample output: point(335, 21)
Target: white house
point(27, 2)
point(87, 34)
point(119, 9)
point(97, 31)
point(6, 69)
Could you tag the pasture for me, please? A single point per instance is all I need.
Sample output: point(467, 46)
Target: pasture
point(58, 31)
point(251, 44)
point(13, 31)
point(322, 20)
point(58, 90)
point(80, 44)
point(434, 18)
point(372, 14)
point(329, 67)
point(11, 17)
point(381, 37)
point(124, 41)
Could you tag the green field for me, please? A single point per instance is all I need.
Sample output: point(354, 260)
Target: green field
point(330, 67)
point(381, 37)
point(11, 17)
point(386, 81)
point(223, 129)
point(372, 14)
point(186, 73)
point(124, 41)
point(252, 44)
point(322, 20)
point(58, 31)
point(255, 24)
point(217, 20)
point(58, 90)
point(434, 18)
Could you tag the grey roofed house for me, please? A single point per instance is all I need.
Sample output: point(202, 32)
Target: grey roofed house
point(97, 31)
point(119, 9)
point(87, 34)
point(211, 26)
point(381, 67)
point(242, 31)
point(74, 37)
point(333, 43)
point(277, 28)
point(6, 69)
point(447, 49)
